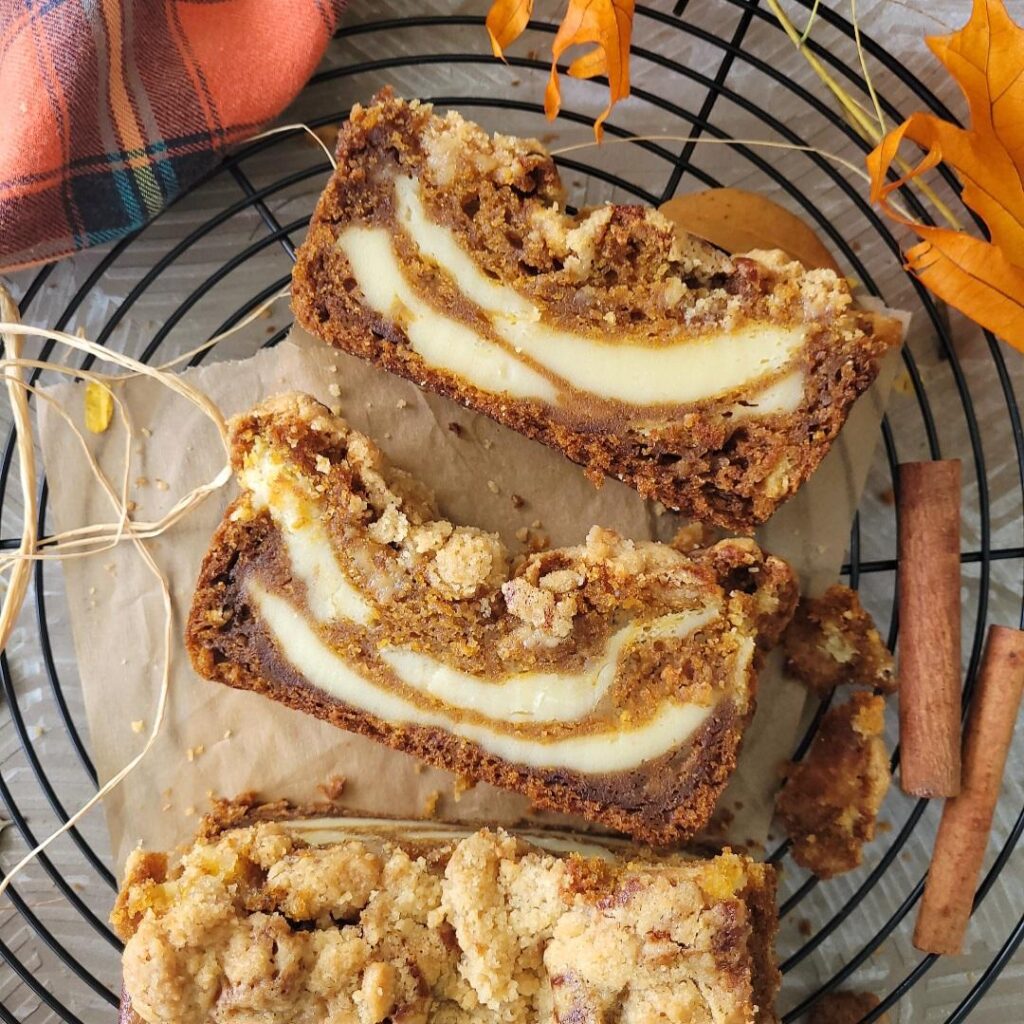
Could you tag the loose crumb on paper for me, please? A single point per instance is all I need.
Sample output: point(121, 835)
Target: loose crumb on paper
point(430, 803)
point(333, 788)
point(462, 785)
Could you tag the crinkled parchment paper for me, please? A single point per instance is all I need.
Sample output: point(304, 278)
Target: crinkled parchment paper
point(219, 741)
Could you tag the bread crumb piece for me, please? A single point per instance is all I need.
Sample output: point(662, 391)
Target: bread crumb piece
point(335, 390)
point(378, 991)
point(146, 432)
point(430, 802)
point(830, 801)
point(162, 485)
point(517, 501)
point(492, 487)
point(227, 734)
point(692, 537)
point(138, 725)
point(462, 785)
point(333, 787)
point(141, 481)
point(401, 404)
point(832, 641)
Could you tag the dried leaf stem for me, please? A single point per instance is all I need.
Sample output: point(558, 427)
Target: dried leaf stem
point(858, 115)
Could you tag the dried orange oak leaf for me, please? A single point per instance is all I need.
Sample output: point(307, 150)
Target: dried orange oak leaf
point(983, 279)
point(737, 221)
point(606, 23)
point(506, 21)
point(99, 407)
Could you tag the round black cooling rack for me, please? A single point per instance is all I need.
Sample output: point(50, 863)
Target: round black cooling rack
point(713, 72)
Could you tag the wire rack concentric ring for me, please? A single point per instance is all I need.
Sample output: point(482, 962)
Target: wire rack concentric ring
point(702, 71)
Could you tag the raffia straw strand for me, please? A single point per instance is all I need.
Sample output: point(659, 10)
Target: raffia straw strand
point(18, 584)
point(91, 539)
point(280, 129)
point(811, 18)
point(254, 314)
point(82, 536)
point(700, 139)
point(862, 57)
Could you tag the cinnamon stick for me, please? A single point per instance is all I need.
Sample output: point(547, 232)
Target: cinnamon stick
point(967, 818)
point(929, 609)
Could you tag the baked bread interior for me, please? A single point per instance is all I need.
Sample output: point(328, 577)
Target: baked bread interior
point(611, 680)
point(715, 384)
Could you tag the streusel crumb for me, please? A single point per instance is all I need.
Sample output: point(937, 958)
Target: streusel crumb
point(832, 641)
point(829, 804)
point(253, 924)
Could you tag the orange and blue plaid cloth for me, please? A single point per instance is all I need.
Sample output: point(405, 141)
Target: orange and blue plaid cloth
point(112, 108)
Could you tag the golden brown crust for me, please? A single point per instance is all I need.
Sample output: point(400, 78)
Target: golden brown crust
point(665, 799)
point(832, 641)
point(253, 922)
point(830, 801)
point(502, 199)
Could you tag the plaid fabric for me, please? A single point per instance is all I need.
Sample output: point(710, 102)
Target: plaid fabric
point(112, 108)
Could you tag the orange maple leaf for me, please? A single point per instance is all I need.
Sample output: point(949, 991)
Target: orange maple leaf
point(983, 279)
point(606, 23)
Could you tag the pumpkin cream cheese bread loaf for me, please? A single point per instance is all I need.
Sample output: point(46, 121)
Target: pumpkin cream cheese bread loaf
point(317, 921)
point(715, 384)
point(611, 680)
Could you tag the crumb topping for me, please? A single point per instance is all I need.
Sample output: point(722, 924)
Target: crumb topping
point(454, 588)
point(575, 675)
point(617, 273)
point(254, 924)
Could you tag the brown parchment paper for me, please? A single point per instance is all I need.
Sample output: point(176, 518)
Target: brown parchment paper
point(217, 741)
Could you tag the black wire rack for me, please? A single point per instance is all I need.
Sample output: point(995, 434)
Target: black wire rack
point(718, 65)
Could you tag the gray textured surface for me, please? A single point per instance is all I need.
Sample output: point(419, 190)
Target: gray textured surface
point(898, 25)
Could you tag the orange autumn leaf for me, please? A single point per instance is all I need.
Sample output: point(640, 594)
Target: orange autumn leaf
point(983, 279)
point(506, 21)
point(608, 24)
